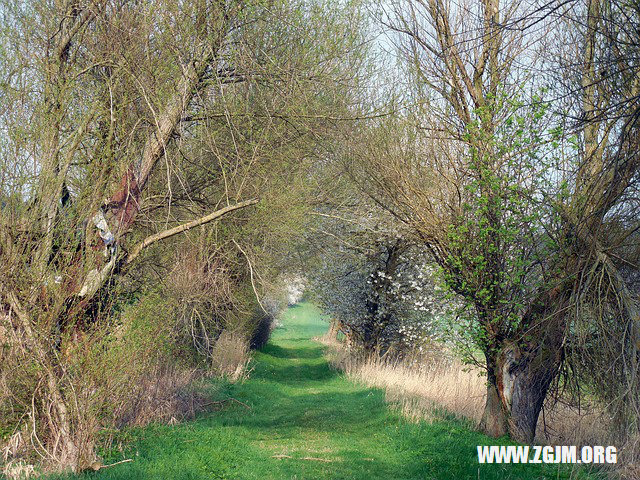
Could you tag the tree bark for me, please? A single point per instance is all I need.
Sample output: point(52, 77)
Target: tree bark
point(379, 317)
point(520, 372)
point(494, 418)
point(516, 391)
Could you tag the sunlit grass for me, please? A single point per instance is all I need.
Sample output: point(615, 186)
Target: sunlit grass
point(297, 418)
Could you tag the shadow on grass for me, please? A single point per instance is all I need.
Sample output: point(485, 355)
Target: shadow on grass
point(277, 351)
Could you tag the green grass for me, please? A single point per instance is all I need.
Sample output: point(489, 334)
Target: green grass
point(299, 407)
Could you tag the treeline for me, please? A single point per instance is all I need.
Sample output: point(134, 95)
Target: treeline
point(152, 171)
point(459, 173)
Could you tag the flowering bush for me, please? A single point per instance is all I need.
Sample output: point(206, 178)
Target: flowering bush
point(386, 299)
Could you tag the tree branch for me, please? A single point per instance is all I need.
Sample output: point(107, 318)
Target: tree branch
point(186, 226)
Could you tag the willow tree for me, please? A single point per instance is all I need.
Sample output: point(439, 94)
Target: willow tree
point(598, 207)
point(475, 171)
point(127, 124)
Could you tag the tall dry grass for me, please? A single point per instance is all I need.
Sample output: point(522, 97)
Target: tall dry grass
point(432, 386)
point(230, 356)
point(423, 390)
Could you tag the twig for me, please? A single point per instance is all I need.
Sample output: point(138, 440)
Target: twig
point(241, 403)
point(325, 460)
point(230, 399)
point(315, 459)
point(127, 460)
point(253, 285)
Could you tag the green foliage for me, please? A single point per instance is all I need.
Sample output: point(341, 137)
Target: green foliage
point(493, 243)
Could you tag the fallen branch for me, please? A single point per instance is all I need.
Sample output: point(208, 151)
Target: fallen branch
point(238, 401)
point(222, 402)
point(98, 467)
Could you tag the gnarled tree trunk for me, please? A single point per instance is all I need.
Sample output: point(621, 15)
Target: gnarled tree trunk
point(520, 372)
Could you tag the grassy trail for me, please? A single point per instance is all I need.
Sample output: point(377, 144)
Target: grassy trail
point(307, 421)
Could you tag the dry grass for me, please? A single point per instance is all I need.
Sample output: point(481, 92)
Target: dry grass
point(165, 394)
point(230, 356)
point(562, 424)
point(18, 470)
point(437, 384)
point(422, 390)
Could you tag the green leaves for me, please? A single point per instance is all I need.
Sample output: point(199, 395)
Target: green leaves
point(491, 259)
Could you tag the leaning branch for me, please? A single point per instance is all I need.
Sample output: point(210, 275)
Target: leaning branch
point(253, 285)
point(81, 19)
point(184, 227)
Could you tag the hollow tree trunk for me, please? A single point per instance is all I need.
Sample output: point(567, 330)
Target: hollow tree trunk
point(529, 391)
point(494, 418)
point(516, 392)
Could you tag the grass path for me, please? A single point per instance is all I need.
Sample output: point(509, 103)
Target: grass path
point(307, 421)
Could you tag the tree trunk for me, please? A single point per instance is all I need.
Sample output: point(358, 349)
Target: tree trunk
point(528, 394)
point(377, 307)
point(67, 451)
point(494, 418)
point(519, 377)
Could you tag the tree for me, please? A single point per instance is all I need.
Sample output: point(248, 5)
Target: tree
point(366, 274)
point(598, 210)
point(133, 123)
point(472, 172)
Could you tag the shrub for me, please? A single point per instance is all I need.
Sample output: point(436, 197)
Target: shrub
point(230, 356)
point(262, 332)
point(114, 376)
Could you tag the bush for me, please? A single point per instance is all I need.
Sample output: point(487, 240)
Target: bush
point(147, 361)
point(128, 373)
point(230, 356)
point(262, 332)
